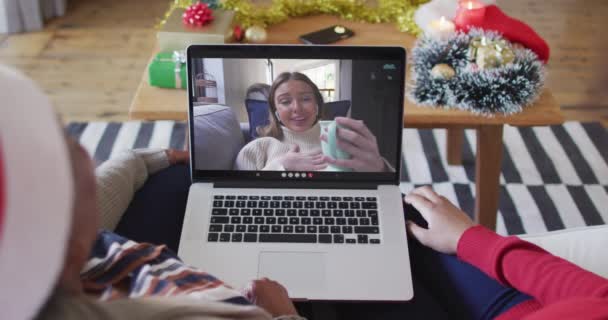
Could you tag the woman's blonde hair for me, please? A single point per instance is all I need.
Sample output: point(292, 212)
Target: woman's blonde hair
point(273, 129)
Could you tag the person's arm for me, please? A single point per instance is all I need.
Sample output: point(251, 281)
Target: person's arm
point(120, 177)
point(510, 260)
point(528, 268)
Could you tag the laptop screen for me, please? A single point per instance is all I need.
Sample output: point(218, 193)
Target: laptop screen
point(301, 113)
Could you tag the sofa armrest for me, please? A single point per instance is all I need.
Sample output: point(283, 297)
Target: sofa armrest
point(584, 246)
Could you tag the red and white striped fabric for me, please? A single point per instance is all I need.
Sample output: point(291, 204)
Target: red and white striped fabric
point(36, 193)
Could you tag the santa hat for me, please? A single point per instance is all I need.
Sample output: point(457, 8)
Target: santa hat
point(512, 29)
point(36, 197)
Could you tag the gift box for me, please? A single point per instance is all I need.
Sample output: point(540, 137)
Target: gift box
point(168, 70)
point(175, 35)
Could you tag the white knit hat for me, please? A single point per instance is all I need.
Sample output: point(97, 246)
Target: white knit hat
point(36, 196)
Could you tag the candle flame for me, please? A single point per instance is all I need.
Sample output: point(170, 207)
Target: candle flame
point(470, 5)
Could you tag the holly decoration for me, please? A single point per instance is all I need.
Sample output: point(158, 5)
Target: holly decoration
point(198, 15)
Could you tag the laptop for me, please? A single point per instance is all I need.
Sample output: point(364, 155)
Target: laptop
point(333, 233)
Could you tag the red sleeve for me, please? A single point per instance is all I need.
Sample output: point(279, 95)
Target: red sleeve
point(528, 268)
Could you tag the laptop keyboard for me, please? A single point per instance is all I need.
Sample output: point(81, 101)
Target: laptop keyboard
point(294, 219)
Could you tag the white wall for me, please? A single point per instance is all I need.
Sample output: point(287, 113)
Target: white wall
point(233, 77)
point(239, 74)
point(343, 72)
point(346, 80)
point(290, 65)
point(215, 68)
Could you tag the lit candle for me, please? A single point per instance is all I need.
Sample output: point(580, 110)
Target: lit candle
point(441, 29)
point(470, 12)
point(471, 4)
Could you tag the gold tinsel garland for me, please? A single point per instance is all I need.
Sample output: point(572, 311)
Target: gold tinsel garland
point(177, 4)
point(249, 14)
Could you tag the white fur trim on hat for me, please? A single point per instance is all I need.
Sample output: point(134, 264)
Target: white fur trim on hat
point(39, 197)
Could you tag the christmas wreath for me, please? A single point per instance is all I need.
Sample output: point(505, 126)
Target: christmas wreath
point(478, 71)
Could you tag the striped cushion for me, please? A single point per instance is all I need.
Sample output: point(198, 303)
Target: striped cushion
point(552, 177)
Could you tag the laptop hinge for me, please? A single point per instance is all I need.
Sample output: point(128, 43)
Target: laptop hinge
point(295, 185)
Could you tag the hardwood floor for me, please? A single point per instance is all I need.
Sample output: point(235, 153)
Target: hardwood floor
point(90, 61)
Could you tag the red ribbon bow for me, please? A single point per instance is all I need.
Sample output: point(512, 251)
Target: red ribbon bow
point(198, 15)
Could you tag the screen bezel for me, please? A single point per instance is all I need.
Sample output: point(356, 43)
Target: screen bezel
point(275, 178)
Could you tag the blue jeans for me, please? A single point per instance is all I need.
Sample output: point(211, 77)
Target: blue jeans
point(463, 290)
point(444, 286)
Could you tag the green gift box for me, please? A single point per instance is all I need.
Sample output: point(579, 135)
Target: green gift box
point(168, 70)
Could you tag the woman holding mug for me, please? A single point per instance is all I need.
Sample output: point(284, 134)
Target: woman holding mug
point(292, 140)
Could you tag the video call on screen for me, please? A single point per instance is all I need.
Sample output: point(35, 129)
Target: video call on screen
point(365, 90)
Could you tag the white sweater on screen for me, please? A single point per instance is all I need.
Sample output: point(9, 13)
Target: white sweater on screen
point(265, 153)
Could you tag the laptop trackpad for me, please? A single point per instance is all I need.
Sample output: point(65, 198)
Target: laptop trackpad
point(302, 273)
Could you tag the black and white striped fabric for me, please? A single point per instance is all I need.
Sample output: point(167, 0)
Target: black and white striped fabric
point(552, 177)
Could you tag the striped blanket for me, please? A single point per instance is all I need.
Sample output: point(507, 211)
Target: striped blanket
point(120, 268)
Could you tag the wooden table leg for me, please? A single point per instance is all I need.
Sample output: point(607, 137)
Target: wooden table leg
point(487, 174)
point(454, 145)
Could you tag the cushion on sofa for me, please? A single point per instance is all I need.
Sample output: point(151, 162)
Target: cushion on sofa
point(257, 110)
point(217, 137)
point(584, 246)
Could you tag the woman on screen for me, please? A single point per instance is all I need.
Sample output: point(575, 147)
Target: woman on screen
point(292, 140)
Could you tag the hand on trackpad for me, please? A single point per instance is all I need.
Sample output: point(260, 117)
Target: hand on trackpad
point(302, 273)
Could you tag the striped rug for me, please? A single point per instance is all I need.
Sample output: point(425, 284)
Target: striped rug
point(552, 177)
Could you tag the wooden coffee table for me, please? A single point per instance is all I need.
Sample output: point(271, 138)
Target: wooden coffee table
point(152, 103)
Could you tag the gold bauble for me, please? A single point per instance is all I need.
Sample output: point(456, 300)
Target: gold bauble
point(442, 71)
point(490, 53)
point(256, 34)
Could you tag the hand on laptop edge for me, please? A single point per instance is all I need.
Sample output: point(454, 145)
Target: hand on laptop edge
point(446, 223)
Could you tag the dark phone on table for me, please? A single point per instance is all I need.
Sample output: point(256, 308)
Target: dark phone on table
point(327, 35)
